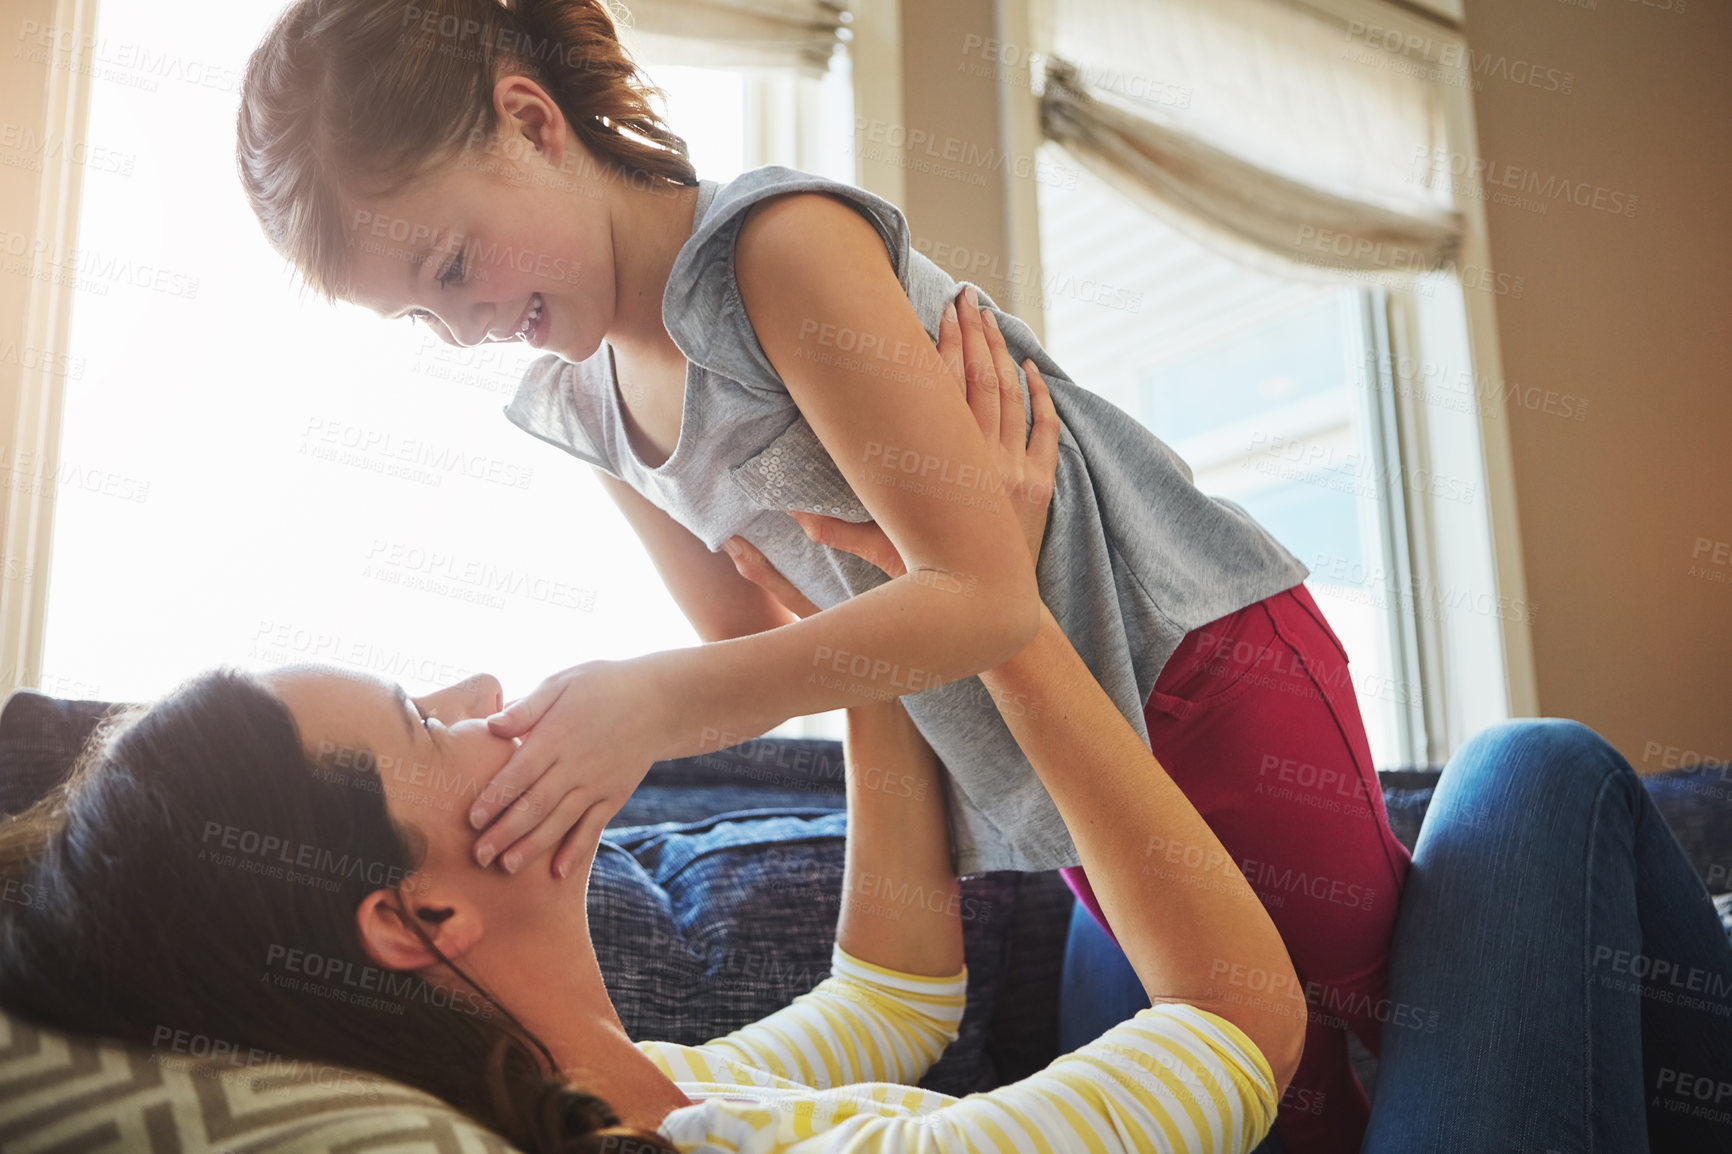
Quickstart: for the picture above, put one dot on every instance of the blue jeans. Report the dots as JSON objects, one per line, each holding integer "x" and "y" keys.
{"x": 1559, "y": 980}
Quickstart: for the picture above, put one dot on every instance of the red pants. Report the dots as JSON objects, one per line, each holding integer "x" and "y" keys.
{"x": 1255, "y": 719}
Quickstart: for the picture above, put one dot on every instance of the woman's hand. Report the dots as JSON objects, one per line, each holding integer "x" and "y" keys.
{"x": 979, "y": 364}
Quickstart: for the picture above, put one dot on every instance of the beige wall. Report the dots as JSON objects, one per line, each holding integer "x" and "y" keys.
{"x": 1632, "y": 314}
{"x": 953, "y": 189}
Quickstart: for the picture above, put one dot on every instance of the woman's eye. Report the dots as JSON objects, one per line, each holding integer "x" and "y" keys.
{"x": 453, "y": 273}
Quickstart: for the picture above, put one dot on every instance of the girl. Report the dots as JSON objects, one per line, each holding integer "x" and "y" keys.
{"x": 727, "y": 355}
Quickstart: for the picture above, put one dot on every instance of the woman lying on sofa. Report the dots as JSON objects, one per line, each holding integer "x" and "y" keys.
{"x": 145, "y": 920}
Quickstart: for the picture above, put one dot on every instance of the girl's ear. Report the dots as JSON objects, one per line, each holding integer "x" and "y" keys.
{"x": 393, "y": 944}
{"x": 528, "y": 114}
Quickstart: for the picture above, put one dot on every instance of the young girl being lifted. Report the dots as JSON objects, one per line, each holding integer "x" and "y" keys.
{"x": 755, "y": 359}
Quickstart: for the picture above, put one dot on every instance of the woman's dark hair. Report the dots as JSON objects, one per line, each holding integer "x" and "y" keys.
{"x": 347, "y": 97}
{"x": 198, "y": 876}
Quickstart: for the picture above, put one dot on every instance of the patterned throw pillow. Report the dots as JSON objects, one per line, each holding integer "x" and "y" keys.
{"x": 58, "y": 1093}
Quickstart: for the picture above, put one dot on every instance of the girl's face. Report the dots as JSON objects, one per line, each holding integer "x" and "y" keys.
{"x": 511, "y": 240}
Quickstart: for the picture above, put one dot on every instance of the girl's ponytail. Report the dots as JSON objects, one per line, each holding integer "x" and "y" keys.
{"x": 574, "y": 46}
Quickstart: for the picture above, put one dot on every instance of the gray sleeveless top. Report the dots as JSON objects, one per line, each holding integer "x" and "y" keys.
{"x": 1134, "y": 557}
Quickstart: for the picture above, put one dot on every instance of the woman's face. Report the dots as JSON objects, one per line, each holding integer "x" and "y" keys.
{"x": 433, "y": 755}
{"x": 511, "y": 240}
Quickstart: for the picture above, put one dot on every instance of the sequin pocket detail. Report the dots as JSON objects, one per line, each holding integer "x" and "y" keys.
{"x": 795, "y": 472}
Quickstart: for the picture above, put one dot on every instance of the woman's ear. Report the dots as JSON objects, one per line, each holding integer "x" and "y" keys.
{"x": 454, "y": 926}
{"x": 530, "y": 118}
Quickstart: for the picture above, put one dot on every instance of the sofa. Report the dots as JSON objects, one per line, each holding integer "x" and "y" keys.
{"x": 713, "y": 902}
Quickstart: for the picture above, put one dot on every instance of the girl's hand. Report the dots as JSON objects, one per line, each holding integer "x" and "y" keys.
{"x": 979, "y": 364}
{"x": 588, "y": 740}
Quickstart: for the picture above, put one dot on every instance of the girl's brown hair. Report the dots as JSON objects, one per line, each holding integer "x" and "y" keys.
{"x": 158, "y": 907}
{"x": 348, "y": 98}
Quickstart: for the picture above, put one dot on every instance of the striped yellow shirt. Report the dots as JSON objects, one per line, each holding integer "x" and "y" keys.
{"x": 829, "y": 1075}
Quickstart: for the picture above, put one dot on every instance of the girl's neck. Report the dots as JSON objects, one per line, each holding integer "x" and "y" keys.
{"x": 649, "y": 227}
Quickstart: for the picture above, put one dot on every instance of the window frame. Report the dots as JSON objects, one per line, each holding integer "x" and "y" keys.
{"x": 1451, "y": 326}
{"x": 1470, "y": 669}
{"x": 31, "y": 419}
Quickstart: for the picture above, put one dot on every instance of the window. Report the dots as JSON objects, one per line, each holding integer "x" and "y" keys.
{"x": 295, "y": 481}
{"x": 1261, "y": 385}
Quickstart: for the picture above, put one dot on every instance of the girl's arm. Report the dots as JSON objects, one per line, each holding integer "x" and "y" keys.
{"x": 714, "y": 597}
{"x": 590, "y": 733}
{"x": 814, "y": 278}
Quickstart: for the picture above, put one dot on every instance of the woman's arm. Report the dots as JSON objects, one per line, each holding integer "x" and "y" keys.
{"x": 898, "y": 988}
{"x": 1186, "y": 917}
{"x": 901, "y": 905}
{"x": 897, "y": 993}
{"x": 1189, "y": 922}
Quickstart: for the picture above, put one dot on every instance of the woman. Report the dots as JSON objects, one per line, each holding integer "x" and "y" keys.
{"x": 723, "y": 352}
{"x": 490, "y": 997}
{"x": 1546, "y": 887}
